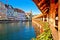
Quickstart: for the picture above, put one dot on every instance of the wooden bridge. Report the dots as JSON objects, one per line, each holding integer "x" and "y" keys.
{"x": 50, "y": 13}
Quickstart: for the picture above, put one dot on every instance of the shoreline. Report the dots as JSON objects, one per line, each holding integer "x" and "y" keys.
{"x": 12, "y": 21}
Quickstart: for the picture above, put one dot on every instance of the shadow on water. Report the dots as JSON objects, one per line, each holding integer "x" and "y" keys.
{"x": 17, "y": 31}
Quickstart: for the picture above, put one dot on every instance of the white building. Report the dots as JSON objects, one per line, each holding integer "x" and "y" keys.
{"x": 19, "y": 14}
{"x": 10, "y": 12}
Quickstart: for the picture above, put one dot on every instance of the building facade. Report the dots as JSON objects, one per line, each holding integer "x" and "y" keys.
{"x": 19, "y": 14}
{"x": 3, "y": 11}
{"x": 29, "y": 16}
{"x": 10, "y": 12}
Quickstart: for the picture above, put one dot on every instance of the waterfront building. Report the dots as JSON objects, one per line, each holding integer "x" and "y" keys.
{"x": 19, "y": 14}
{"x": 2, "y": 8}
{"x": 29, "y": 16}
{"x": 15, "y": 14}
{"x": 10, "y": 12}
{"x": 3, "y": 11}
{"x": 2, "y": 16}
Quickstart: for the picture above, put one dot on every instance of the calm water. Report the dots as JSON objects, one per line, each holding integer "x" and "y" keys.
{"x": 17, "y": 31}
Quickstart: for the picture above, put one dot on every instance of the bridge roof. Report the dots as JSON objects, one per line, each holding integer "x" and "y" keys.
{"x": 44, "y": 5}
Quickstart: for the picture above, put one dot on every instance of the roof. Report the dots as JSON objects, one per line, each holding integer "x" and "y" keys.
{"x": 44, "y": 5}
{"x": 8, "y": 6}
{"x": 19, "y": 10}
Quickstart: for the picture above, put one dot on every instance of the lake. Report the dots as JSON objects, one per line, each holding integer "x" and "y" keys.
{"x": 17, "y": 31}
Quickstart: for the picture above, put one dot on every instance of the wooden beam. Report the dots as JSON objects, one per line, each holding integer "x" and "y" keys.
{"x": 52, "y": 13}
{"x": 36, "y": 1}
{"x": 44, "y": 12}
{"x": 43, "y": 6}
{"x": 40, "y": 3}
{"x": 56, "y": 6}
{"x": 45, "y": 9}
{"x": 59, "y": 19}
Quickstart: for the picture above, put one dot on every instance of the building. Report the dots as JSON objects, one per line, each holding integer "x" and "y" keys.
{"x": 2, "y": 16}
{"x": 29, "y": 16}
{"x": 3, "y": 11}
{"x": 2, "y": 8}
{"x": 19, "y": 14}
{"x": 10, "y": 12}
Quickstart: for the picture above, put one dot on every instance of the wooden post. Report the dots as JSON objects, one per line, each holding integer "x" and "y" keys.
{"x": 59, "y": 19}
{"x": 43, "y": 18}
{"x": 52, "y": 12}
{"x": 47, "y": 18}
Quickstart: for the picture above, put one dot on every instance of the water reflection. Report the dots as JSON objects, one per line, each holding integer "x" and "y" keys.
{"x": 16, "y": 31}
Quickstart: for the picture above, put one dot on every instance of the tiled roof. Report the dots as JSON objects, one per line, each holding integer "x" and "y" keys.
{"x": 18, "y": 10}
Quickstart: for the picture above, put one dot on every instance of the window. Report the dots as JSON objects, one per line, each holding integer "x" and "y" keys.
{"x": 0, "y": 5}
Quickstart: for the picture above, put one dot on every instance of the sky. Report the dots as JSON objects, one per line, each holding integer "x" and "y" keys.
{"x": 25, "y": 5}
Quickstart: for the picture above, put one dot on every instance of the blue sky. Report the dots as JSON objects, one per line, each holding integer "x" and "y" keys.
{"x": 25, "y": 5}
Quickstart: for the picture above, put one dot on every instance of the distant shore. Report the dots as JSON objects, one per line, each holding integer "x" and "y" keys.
{"x": 11, "y": 21}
